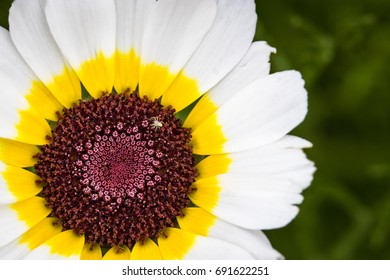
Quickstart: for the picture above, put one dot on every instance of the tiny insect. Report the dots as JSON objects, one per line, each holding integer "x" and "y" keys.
{"x": 156, "y": 123}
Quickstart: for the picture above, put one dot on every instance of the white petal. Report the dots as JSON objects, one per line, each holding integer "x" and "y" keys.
{"x": 223, "y": 47}
{"x": 22, "y": 246}
{"x": 260, "y": 114}
{"x": 10, "y": 106}
{"x": 131, "y": 17}
{"x": 18, "y": 120}
{"x": 17, "y": 218}
{"x": 15, "y": 70}
{"x": 13, "y": 250}
{"x": 32, "y": 37}
{"x": 173, "y": 31}
{"x": 10, "y": 115}
{"x": 282, "y": 160}
{"x": 15, "y": 73}
{"x": 43, "y": 253}
{"x": 85, "y": 32}
{"x": 208, "y": 248}
{"x": 274, "y": 162}
{"x": 254, "y": 242}
{"x": 290, "y": 141}
{"x": 247, "y": 201}
{"x": 196, "y": 220}
{"x": 253, "y": 66}
{"x": 225, "y": 44}
{"x": 11, "y": 227}
{"x": 182, "y": 244}
{"x": 258, "y": 188}
{"x": 87, "y": 27}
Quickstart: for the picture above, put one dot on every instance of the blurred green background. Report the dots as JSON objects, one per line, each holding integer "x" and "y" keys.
{"x": 342, "y": 48}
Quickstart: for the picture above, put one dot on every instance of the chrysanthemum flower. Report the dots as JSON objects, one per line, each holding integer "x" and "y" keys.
{"x": 95, "y": 159}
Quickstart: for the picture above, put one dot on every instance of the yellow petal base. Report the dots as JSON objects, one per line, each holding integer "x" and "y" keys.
{"x": 118, "y": 253}
{"x": 40, "y": 233}
{"x": 177, "y": 243}
{"x": 66, "y": 87}
{"x": 66, "y": 244}
{"x": 91, "y": 252}
{"x": 98, "y": 74}
{"x": 127, "y": 71}
{"x": 206, "y": 194}
{"x": 196, "y": 220}
{"x": 41, "y": 99}
{"x": 17, "y": 153}
{"x": 182, "y": 92}
{"x": 203, "y": 109}
{"x": 31, "y": 211}
{"x": 21, "y": 183}
{"x": 208, "y": 138}
{"x": 148, "y": 250}
{"x": 214, "y": 165}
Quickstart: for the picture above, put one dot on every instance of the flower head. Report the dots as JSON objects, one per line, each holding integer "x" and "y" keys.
{"x": 97, "y": 158}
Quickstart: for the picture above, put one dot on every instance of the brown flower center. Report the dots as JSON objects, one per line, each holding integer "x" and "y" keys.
{"x": 118, "y": 169}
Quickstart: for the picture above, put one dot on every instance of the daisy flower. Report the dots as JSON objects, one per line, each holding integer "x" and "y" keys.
{"x": 145, "y": 129}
